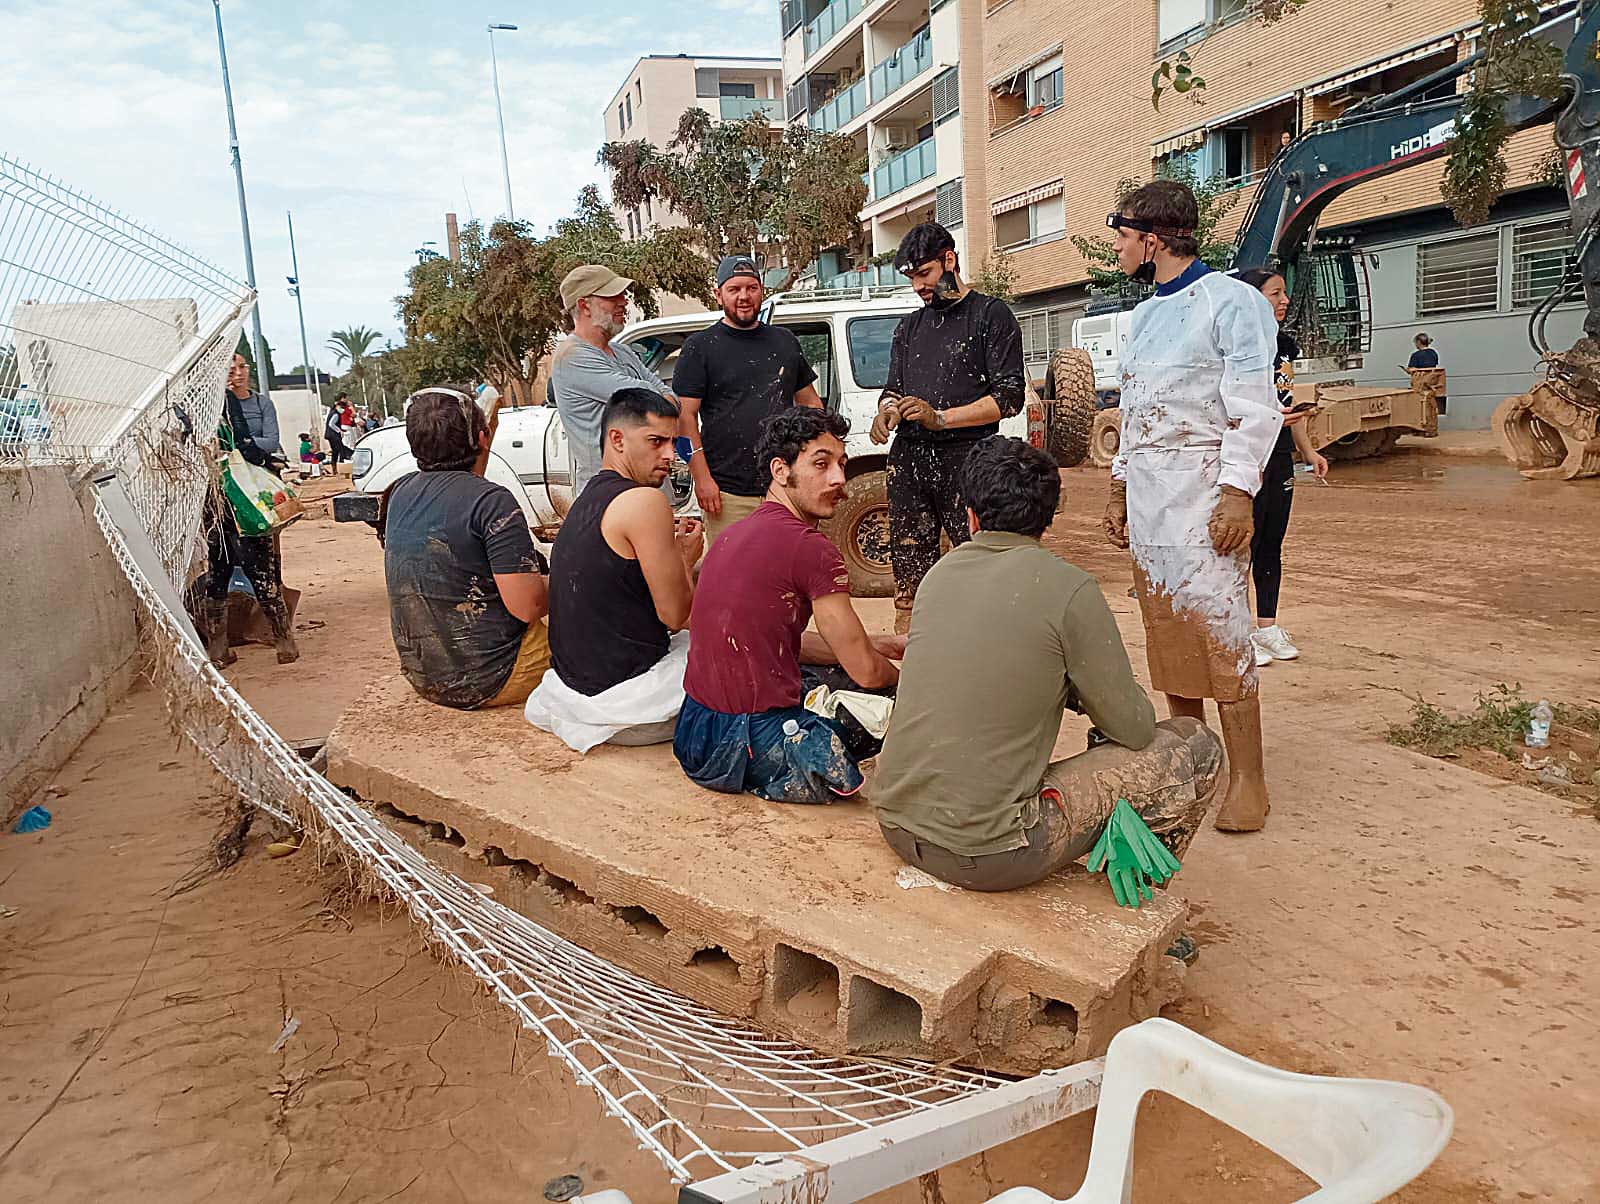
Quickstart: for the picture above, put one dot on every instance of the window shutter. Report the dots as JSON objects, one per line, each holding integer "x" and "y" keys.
{"x": 946, "y": 94}
{"x": 947, "y": 204}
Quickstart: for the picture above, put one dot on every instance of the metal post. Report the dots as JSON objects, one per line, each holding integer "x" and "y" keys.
{"x": 299, "y": 305}
{"x": 263, "y": 382}
{"x": 505, "y": 161}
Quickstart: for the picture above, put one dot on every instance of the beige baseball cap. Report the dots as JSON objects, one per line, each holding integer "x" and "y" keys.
{"x": 591, "y": 280}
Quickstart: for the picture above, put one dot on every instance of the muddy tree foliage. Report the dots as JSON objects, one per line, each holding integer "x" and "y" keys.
{"x": 494, "y": 313}
{"x": 744, "y": 187}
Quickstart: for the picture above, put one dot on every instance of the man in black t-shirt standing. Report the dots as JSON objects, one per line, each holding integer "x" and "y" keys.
{"x": 731, "y": 378}
{"x": 955, "y": 370}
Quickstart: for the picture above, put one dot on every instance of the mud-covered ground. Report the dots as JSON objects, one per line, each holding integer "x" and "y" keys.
{"x": 1401, "y": 917}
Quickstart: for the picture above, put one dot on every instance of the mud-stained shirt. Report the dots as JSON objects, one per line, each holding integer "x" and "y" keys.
{"x": 751, "y": 606}
{"x": 447, "y": 534}
{"x": 1005, "y": 636}
{"x": 954, "y": 356}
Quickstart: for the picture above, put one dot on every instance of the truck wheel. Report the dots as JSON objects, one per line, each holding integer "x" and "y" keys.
{"x": 1071, "y": 375}
{"x": 1362, "y": 445}
{"x": 859, "y": 528}
{"x": 1106, "y": 438}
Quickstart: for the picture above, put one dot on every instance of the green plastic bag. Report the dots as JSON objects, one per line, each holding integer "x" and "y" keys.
{"x": 261, "y": 501}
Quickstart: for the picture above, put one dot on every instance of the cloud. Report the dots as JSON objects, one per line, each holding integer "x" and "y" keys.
{"x": 368, "y": 130}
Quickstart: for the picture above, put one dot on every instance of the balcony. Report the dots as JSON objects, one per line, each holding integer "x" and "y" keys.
{"x": 829, "y": 22}
{"x": 901, "y": 67}
{"x": 842, "y": 109}
{"x": 737, "y": 108}
{"x": 904, "y": 170}
{"x": 870, "y": 275}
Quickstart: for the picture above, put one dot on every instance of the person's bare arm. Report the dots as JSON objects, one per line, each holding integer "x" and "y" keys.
{"x": 975, "y": 413}
{"x": 640, "y": 521}
{"x": 705, "y": 489}
{"x": 839, "y": 628}
{"x": 526, "y": 595}
{"x": 808, "y": 396}
{"x": 1308, "y": 453}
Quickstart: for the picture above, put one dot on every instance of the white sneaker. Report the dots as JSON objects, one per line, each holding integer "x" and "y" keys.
{"x": 1275, "y": 642}
{"x": 1263, "y": 657}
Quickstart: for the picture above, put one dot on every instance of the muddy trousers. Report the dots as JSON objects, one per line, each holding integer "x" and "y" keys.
{"x": 1169, "y": 783}
{"x": 924, "y": 488}
{"x": 1273, "y": 502}
{"x": 262, "y": 564}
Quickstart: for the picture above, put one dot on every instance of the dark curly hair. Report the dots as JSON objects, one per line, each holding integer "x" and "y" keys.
{"x": 1170, "y": 206}
{"x": 786, "y": 434}
{"x": 1011, "y": 486}
{"x": 923, "y": 242}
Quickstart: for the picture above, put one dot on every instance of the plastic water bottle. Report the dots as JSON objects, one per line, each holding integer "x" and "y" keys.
{"x": 1539, "y": 725}
{"x": 791, "y": 727}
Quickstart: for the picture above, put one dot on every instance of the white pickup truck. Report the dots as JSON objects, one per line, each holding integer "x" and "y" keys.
{"x": 845, "y": 335}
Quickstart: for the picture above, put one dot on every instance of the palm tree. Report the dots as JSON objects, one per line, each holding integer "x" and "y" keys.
{"x": 351, "y": 347}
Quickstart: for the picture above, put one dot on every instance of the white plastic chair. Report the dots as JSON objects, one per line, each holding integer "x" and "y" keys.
{"x": 1360, "y": 1139}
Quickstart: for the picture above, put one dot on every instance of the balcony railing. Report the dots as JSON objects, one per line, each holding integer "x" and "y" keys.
{"x": 829, "y": 22}
{"x": 736, "y": 108}
{"x": 871, "y": 274}
{"x": 842, "y": 109}
{"x": 901, "y": 67}
{"x": 904, "y": 170}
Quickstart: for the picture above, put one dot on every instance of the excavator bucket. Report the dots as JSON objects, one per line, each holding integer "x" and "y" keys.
{"x": 1548, "y": 436}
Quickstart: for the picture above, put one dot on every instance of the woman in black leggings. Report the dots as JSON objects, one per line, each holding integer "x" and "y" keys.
{"x": 1276, "y": 495}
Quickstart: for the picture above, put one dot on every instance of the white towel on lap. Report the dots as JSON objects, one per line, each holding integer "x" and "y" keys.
{"x": 654, "y": 696}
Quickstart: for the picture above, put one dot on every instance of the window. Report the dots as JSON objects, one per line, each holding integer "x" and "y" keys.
{"x": 869, "y": 350}
{"x": 649, "y": 215}
{"x": 1540, "y": 258}
{"x": 746, "y": 90}
{"x": 1175, "y": 18}
{"x": 1043, "y": 331}
{"x": 1042, "y": 221}
{"x": 1463, "y": 273}
{"x": 638, "y": 90}
{"x": 816, "y": 344}
{"x": 1225, "y": 155}
{"x": 622, "y": 120}
{"x": 627, "y": 102}
{"x": 1044, "y": 83}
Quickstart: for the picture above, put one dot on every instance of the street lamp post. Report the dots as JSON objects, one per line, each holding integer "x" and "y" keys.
{"x": 505, "y": 161}
{"x": 263, "y": 381}
{"x": 294, "y": 291}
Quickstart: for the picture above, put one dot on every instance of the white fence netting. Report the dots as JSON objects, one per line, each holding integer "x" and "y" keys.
{"x": 137, "y": 388}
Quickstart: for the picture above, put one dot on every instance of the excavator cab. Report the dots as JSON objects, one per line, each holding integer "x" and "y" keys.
{"x": 1330, "y": 308}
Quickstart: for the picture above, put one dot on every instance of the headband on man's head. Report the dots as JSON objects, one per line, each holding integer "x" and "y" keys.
{"x": 1119, "y": 221}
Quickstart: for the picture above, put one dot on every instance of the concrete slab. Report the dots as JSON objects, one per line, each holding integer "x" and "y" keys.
{"x": 798, "y": 918}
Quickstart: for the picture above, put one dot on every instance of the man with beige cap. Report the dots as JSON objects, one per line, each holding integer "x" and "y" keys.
{"x": 586, "y": 370}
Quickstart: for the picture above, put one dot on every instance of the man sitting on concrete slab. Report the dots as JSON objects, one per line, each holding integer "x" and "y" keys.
{"x": 466, "y": 596}
{"x": 620, "y": 585}
{"x": 743, "y": 727}
{"x": 1005, "y": 636}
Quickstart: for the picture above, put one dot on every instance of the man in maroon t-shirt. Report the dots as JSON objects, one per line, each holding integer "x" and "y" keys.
{"x": 742, "y": 727}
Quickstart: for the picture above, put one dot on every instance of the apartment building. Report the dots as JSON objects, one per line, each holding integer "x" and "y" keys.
{"x": 886, "y": 73}
{"x": 1055, "y": 151}
{"x": 660, "y": 88}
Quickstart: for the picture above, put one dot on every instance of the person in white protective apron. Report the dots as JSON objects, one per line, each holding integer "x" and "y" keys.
{"x": 1199, "y": 420}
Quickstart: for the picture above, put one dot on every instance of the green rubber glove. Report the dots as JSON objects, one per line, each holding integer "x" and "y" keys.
{"x": 1132, "y": 857}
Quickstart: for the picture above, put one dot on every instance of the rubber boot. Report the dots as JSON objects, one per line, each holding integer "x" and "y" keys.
{"x": 215, "y": 632}
{"x": 1245, "y": 807}
{"x": 278, "y": 619}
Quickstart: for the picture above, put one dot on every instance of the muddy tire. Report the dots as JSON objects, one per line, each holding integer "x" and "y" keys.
{"x": 1071, "y": 376}
{"x": 859, "y": 528}
{"x": 1105, "y": 438}
{"x": 1362, "y": 445}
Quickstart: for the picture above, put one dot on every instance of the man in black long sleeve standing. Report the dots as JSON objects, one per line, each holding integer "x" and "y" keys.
{"x": 955, "y": 370}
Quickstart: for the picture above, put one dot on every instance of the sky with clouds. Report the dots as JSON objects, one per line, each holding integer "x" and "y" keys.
{"x": 368, "y": 120}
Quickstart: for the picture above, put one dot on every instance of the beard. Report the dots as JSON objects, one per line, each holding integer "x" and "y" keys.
{"x": 607, "y": 324}
{"x": 732, "y": 315}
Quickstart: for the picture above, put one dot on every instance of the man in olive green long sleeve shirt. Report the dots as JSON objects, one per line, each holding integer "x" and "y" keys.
{"x": 1004, "y": 637}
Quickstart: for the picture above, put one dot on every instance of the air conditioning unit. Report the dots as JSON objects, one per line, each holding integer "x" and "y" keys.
{"x": 899, "y": 139}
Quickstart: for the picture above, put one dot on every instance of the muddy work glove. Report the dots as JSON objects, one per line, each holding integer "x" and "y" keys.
{"x": 1233, "y": 521}
{"x": 1115, "y": 523}
{"x": 1133, "y": 858}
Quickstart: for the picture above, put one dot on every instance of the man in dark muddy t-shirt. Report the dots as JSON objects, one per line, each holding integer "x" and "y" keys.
{"x": 731, "y": 378}
{"x": 467, "y": 595}
{"x": 955, "y": 370}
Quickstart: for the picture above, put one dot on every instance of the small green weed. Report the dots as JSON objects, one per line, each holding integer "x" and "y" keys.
{"x": 1499, "y": 722}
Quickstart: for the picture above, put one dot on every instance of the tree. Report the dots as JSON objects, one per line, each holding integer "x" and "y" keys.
{"x": 495, "y": 313}
{"x": 742, "y": 186}
{"x": 1215, "y": 201}
{"x": 351, "y": 347}
{"x": 997, "y": 277}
